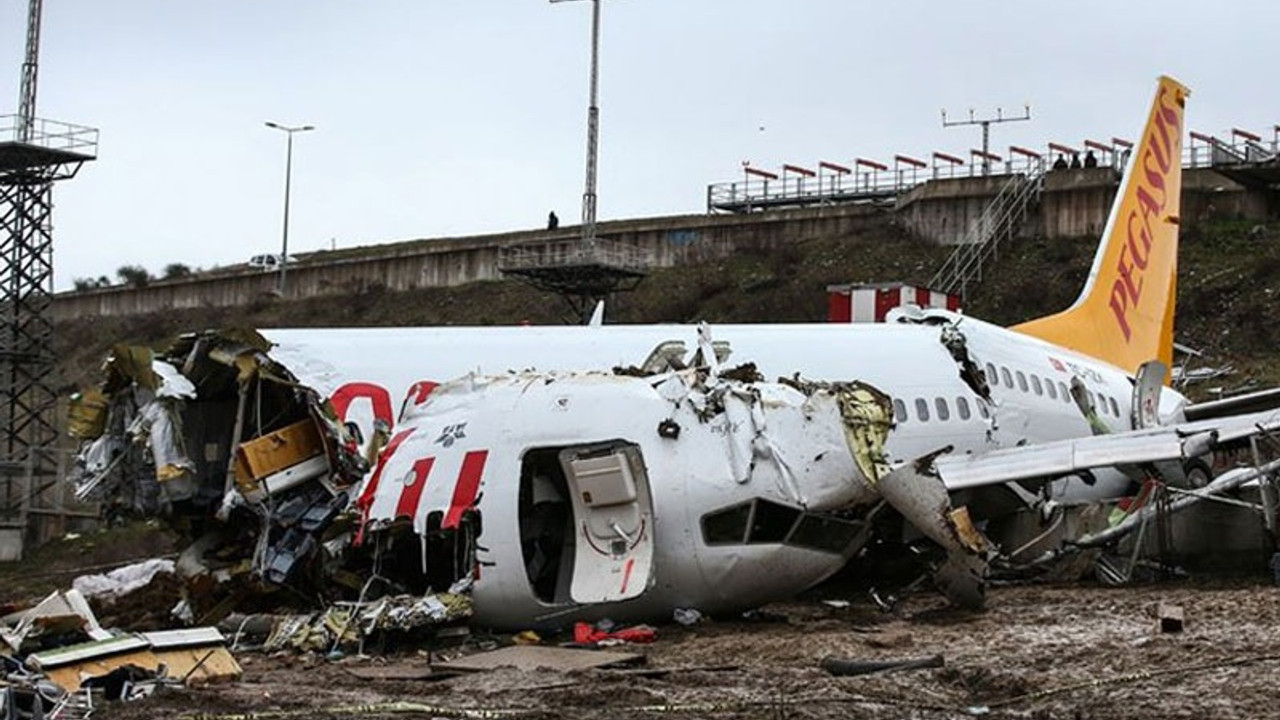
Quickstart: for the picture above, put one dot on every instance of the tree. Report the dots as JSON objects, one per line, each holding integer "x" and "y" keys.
{"x": 134, "y": 275}
{"x": 84, "y": 284}
{"x": 176, "y": 270}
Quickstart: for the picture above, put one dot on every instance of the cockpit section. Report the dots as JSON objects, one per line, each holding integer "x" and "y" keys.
{"x": 760, "y": 521}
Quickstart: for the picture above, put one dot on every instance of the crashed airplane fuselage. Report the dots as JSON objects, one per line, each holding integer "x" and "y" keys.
{"x": 560, "y": 496}
{"x": 715, "y": 493}
{"x": 593, "y": 494}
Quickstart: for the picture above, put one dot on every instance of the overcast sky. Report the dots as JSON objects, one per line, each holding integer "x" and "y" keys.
{"x": 440, "y": 118}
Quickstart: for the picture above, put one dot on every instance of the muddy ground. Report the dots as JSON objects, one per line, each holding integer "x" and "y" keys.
{"x": 1069, "y": 651}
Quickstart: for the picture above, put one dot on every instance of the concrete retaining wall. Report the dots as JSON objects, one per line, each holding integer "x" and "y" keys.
{"x": 454, "y": 261}
{"x": 1075, "y": 203}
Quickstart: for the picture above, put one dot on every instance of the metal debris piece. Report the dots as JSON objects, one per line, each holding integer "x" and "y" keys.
{"x": 1169, "y": 617}
{"x": 534, "y": 657}
{"x": 847, "y": 666}
{"x": 345, "y": 624}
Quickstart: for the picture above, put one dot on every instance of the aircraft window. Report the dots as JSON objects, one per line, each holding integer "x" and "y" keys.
{"x": 899, "y": 411}
{"x": 1115, "y": 409}
{"x": 1066, "y": 394}
{"x": 982, "y": 410}
{"x": 1053, "y": 389}
{"x": 991, "y": 373}
{"x": 1035, "y": 385}
{"x": 962, "y": 407}
{"x": 1008, "y": 379}
{"x": 922, "y": 409}
{"x": 823, "y": 532}
{"x": 771, "y": 522}
{"x": 1102, "y": 404}
{"x": 728, "y": 526}
{"x": 1022, "y": 381}
{"x": 944, "y": 413}
{"x": 1093, "y": 399}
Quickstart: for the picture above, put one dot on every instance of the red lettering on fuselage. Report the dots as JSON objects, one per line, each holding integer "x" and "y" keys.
{"x": 411, "y": 494}
{"x": 419, "y": 391}
{"x": 365, "y": 501}
{"x": 467, "y": 490}
{"x": 1151, "y": 196}
{"x": 378, "y": 397}
{"x": 376, "y": 394}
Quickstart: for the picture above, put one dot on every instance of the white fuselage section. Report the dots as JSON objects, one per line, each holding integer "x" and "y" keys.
{"x": 381, "y": 371}
{"x": 908, "y": 361}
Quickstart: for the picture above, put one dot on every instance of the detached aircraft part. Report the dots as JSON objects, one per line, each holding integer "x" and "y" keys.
{"x": 922, "y": 499}
{"x": 1146, "y": 394}
{"x": 232, "y": 443}
{"x": 609, "y": 490}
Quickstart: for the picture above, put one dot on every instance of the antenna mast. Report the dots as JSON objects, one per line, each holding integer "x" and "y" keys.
{"x": 30, "y": 66}
{"x": 986, "y": 129}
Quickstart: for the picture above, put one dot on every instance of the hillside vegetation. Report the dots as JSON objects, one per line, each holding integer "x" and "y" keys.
{"x": 1229, "y": 274}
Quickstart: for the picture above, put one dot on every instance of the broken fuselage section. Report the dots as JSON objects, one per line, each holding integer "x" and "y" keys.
{"x": 215, "y": 436}
{"x": 628, "y": 496}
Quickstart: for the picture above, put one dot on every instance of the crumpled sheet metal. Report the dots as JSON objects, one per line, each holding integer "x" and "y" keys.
{"x": 161, "y": 421}
{"x": 344, "y": 624}
{"x": 922, "y": 500}
{"x": 129, "y": 364}
{"x": 60, "y": 612}
{"x": 123, "y": 580}
{"x": 87, "y": 414}
{"x": 793, "y": 434}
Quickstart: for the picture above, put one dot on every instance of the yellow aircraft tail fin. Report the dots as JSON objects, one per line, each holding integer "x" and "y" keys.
{"x": 1124, "y": 315}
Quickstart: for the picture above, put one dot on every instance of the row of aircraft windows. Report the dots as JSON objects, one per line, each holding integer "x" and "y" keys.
{"x": 941, "y": 407}
{"x": 1055, "y": 390}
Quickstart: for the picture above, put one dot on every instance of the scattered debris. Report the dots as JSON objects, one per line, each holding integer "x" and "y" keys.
{"x": 1169, "y": 617}
{"x": 535, "y": 657}
{"x": 346, "y": 625}
{"x": 847, "y": 666}
{"x": 687, "y": 616}
{"x": 891, "y": 639}
{"x": 62, "y": 618}
{"x": 58, "y": 657}
{"x": 603, "y": 634}
{"x": 399, "y": 672}
{"x": 122, "y": 581}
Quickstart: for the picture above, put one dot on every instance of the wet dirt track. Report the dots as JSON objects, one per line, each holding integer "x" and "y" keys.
{"x": 1038, "y": 652}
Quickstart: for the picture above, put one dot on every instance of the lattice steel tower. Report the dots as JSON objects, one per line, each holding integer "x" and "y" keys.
{"x": 33, "y": 155}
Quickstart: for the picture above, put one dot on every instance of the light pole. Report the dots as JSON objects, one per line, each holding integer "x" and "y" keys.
{"x": 288, "y": 173}
{"x": 593, "y": 130}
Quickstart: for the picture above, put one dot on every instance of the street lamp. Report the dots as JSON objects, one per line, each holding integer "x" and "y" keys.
{"x": 593, "y": 130}
{"x": 288, "y": 172}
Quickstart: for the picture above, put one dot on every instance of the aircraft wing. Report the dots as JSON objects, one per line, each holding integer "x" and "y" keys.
{"x": 1259, "y": 401}
{"x": 1063, "y": 457}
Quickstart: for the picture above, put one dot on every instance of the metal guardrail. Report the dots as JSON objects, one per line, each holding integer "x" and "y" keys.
{"x": 50, "y": 134}
{"x": 759, "y": 194}
{"x": 573, "y": 253}
{"x": 999, "y": 219}
{"x": 754, "y": 193}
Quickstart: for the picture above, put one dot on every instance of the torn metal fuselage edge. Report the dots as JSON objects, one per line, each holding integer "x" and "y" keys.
{"x": 627, "y": 495}
{"x": 225, "y": 443}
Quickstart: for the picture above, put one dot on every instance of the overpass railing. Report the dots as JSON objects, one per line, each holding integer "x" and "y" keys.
{"x": 569, "y": 253}
{"x": 760, "y": 190}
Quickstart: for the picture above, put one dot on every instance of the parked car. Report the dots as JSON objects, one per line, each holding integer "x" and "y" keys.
{"x": 269, "y": 262}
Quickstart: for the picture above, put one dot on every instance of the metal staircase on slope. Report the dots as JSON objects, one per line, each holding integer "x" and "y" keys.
{"x": 999, "y": 220}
